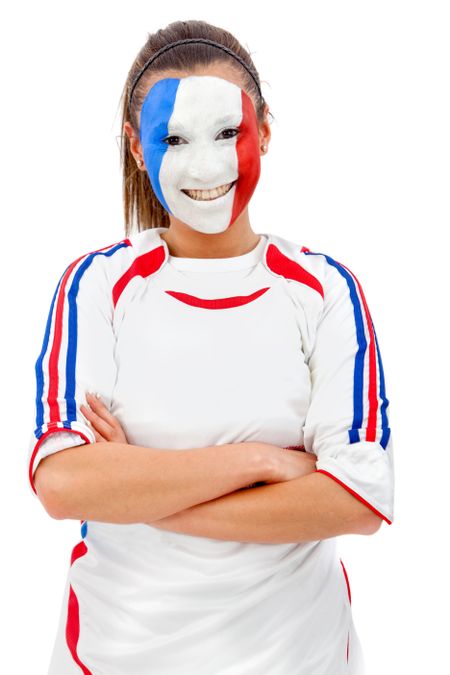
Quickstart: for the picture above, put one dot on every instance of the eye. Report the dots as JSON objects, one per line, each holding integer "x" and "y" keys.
{"x": 235, "y": 129}
{"x": 224, "y": 134}
{"x": 165, "y": 140}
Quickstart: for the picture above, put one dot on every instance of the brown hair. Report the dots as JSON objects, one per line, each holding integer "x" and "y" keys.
{"x": 139, "y": 199}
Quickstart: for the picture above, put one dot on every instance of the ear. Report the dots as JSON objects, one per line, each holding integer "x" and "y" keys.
{"x": 264, "y": 128}
{"x": 135, "y": 144}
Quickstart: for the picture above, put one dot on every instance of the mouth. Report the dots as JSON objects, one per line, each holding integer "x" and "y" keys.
{"x": 209, "y": 195}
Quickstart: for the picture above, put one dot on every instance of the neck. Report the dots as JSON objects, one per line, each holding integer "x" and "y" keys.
{"x": 185, "y": 242}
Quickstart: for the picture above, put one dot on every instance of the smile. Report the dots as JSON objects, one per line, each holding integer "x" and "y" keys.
{"x": 208, "y": 195}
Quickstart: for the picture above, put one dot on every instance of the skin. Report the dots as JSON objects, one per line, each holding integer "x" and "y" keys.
{"x": 181, "y": 239}
{"x": 309, "y": 507}
{"x": 107, "y": 429}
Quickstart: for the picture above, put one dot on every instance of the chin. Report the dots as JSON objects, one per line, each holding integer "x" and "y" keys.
{"x": 208, "y": 229}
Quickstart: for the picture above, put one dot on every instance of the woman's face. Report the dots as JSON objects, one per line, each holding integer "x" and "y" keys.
{"x": 199, "y": 133}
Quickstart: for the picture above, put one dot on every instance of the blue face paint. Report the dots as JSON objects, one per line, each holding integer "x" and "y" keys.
{"x": 156, "y": 112}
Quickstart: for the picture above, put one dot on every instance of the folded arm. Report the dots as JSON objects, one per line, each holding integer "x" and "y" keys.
{"x": 308, "y": 508}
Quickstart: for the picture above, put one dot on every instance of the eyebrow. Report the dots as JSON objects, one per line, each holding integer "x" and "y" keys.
{"x": 226, "y": 118}
{"x": 221, "y": 120}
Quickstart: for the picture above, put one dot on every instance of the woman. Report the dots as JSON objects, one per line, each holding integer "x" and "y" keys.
{"x": 253, "y": 357}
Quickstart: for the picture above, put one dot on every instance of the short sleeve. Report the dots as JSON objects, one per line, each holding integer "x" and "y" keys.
{"x": 76, "y": 355}
{"x": 347, "y": 422}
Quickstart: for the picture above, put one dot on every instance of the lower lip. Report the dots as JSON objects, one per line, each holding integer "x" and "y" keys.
{"x": 215, "y": 199}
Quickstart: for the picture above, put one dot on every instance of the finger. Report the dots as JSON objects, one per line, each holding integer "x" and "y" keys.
{"x": 101, "y": 426}
{"x": 98, "y": 437}
{"x": 91, "y": 416}
{"x": 116, "y": 431}
{"x": 100, "y": 408}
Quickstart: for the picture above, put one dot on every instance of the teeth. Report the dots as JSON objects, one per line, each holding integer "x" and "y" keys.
{"x": 205, "y": 195}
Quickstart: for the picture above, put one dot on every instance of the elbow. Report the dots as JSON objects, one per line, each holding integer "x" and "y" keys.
{"x": 49, "y": 490}
{"x": 370, "y": 522}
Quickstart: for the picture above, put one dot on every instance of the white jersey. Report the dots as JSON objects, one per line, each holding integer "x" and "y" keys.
{"x": 276, "y": 345}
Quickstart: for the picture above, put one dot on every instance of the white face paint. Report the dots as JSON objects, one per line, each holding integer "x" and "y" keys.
{"x": 200, "y": 133}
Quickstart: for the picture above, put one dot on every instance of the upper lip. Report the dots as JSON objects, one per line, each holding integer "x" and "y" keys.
{"x": 211, "y": 188}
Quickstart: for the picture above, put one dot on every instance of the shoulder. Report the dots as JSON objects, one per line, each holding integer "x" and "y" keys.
{"x": 120, "y": 252}
{"x": 320, "y": 270}
{"x": 111, "y": 266}
{"x": 99, "y": 260}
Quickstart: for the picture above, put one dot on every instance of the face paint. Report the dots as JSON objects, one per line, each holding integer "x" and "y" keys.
{"x": 216, "y": 143}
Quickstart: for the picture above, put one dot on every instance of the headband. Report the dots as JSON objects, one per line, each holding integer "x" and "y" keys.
{"x": 186, "y": 41}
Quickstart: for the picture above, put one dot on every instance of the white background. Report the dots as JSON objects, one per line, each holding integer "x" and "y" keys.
{"x": 358, "y": 167}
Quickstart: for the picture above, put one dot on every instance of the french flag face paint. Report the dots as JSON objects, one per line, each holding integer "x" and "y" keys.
{"x": 199, "y": 133}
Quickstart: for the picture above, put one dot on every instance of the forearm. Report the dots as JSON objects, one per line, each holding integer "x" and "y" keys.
{"x": 122, "y": 483}
{"x": 308, "y": 508}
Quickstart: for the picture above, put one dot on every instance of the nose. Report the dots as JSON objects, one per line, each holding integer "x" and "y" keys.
{"x": 205, "y": 169}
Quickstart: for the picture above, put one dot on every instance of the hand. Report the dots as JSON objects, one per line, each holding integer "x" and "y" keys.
{"x": 105, "y": 426}
{"x": 285, "y": 463}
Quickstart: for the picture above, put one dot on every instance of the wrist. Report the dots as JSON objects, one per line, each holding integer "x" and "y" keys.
{"x": 259, "y": 464}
